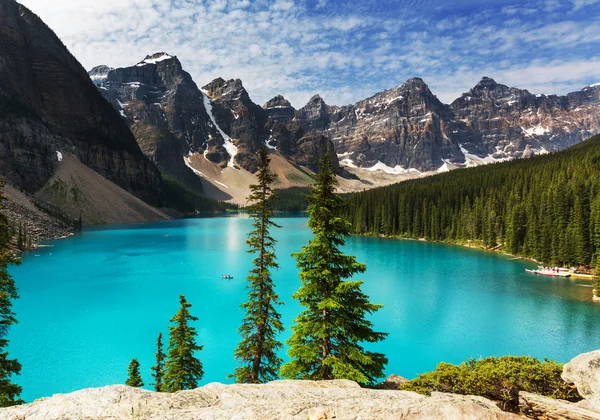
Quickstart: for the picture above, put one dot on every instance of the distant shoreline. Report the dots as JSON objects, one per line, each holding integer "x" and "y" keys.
{"x": 461, "y": 244}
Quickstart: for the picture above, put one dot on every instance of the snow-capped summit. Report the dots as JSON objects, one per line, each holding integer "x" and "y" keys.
{"x": 99, "y": 73}
{"x": 155, "y": 58}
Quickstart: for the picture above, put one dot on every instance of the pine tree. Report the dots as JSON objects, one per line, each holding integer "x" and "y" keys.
{"x": 9, "y": 392}
{"x": 159, "y": 369}
{"x": 134, "y": 378}
{"x": 327, "y": 335}
{"x": 257, "y": 352}
{"x": 182, "y": 369}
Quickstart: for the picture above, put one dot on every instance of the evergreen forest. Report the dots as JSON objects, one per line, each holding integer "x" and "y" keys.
{"x": 546, "y": 207}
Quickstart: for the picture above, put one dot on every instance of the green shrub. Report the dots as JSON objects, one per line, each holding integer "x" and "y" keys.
{"x": 498, "y": 379}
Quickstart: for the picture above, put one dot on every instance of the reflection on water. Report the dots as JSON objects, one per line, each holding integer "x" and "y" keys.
{"x": 91, "y": 303}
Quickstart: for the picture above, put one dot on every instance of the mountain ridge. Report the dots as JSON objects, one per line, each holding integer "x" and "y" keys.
{"x": 402, "y": 130}
{"x": 49, "y": 105}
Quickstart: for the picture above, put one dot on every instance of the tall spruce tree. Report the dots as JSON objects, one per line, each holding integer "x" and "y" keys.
{"x": 158, "y": 370}
{"x": 134, "y": 377}
{"x": 9, "y": 392}
{"x": 327, "y": 336}
{"x": 257, "y": 352}
{"x": 182, "y": 369}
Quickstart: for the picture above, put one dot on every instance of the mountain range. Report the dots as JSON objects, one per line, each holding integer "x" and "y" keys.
{"x": 114, "y": 145}
{"x": 398, "y": 131}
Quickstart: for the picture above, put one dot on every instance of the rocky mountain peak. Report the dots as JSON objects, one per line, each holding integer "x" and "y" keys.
{"x": 417, "y": 91}
{"x": 59, "y": 110}
{"x": 277, "y": 102}
{"x": 279, "y": 109}
{"x": 316, "y": 99}
{"x": 231, "y": 89}
{"x": 486, "y": 83}
{"x": 156, "y": 58}
{"x": 99, "y": 74}
{"x": 315, "y": 113}
{"x": 414, "y": 83}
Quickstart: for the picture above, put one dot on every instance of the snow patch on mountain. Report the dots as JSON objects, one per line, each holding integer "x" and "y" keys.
{"x": 228, "y": 144}
{"x": 397, "y": 170}
{"x": 474, "y": 160}
{"x": 443, "y": 168}
{"x": 537, "y": 130}
{"x": 154, "y": 59}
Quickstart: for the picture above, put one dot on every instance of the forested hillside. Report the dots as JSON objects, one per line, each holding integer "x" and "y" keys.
{"x": 546, "y": 207}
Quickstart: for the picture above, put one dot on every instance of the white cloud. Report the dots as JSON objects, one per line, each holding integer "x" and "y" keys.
{"x": 578, "y": 4}
{"x": 343, "y": 53}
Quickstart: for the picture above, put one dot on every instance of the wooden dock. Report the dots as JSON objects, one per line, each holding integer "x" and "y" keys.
{"x": 582, "y": 276}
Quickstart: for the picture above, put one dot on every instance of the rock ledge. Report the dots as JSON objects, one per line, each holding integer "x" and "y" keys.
{"x": 338, "y": 399}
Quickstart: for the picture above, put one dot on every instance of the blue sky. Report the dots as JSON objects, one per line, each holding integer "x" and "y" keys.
{"x": 343, "y": 50}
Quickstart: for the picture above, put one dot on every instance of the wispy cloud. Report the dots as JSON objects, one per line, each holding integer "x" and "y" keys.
{"x": 344, "y": 50}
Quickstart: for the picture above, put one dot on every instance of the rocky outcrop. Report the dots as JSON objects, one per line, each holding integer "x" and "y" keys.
{"x": 240, "y": 118}
{"x": 584, "y": 372}
{"x": 408, "y": 127}
{"x": 276, "y": 400}
{"x": 279, "y": 110}
{"x": 165, "y": 110}
{"x": 48, "y": 104}
{"x": 501, "y": 122}
{"x": 405, "y": 127}
{"x": 545, "y": 408}
{"x": 392, "y": 382}
{"x": 22, "y": 210}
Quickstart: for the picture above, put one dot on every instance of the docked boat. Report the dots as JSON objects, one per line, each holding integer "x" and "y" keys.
{"x": 551, "y": 272}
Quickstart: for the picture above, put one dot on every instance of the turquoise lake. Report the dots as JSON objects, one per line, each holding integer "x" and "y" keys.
{"x": 91, "y": 303}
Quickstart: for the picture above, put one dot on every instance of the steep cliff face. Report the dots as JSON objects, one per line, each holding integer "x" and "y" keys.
{"x": 279, "y": 109}
{"x": 171, "y": 118}
{"x": 505, "y": 122}
{"x": 252, "y": 127}
{"x": 48, "y": 104}
{"x": 408, "y": 129}
{"x": 240, "y": 118}
{"x": 405, "y": 127}
{"x": 165, "y": 110}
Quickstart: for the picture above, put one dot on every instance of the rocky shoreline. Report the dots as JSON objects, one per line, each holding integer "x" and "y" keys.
{"x": 21, "y": 210}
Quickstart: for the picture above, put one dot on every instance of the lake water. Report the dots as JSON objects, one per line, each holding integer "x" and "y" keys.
{"x": 92, "y": 302}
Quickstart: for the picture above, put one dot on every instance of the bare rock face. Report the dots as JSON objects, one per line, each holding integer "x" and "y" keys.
{"x": 584, "y": 372}
{"x": 48, "y": 104}
{"x": 239, "y": 117}
{"x": 504, "y": 122}
{"x": 408, "y": 127}
{"x": 252, "y": 127}
{"x": 165, "y": 110}
{"x": 279, "y": 110}
{"x": 392, "y": 382}
{"x": 545, "y": 408}
{"x": 276, "y": 400}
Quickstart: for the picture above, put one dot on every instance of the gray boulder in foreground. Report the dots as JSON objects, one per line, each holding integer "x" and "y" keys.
{"x": 321, "y": 400}
{"x": 584, "y": 372}
{"x": 538, "y": 407}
